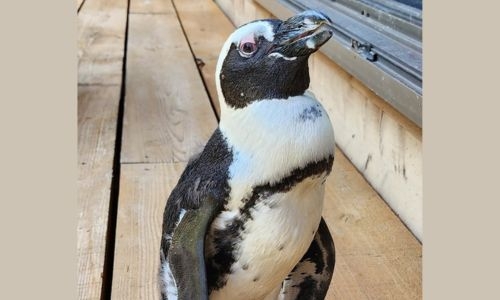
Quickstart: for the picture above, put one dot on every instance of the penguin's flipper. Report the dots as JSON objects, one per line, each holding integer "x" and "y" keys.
{"x": 311, "y": 277}
{"x": 186, "y": 253}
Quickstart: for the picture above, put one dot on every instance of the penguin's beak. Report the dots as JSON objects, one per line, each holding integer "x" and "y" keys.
{"x": 302, "y": 34}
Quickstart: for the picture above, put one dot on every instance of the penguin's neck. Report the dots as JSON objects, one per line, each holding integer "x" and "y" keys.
{"x": 271, "y": 138}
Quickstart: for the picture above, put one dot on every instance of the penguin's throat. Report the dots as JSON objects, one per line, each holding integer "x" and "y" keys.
{"x": 278, "y": 135}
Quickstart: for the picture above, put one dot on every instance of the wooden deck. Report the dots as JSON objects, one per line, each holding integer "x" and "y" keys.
{"x": 146, "y": 103}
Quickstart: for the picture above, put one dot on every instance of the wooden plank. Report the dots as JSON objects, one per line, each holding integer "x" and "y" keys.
{"x": 377, "y": 258}
{"x": 101, "y": 41}
{"x": 168, "y": 117}
{"x": 94, "y": 6}
{"x": 240, "y": 11}
{"x": 101, "y": 27}
{"x": 144, "y": 189}
{"x": 374, "y": 137}
{"x": 79, "y": 3}
{"x": 207, "y": 28}
{"x": 151, "y": 6}
{"x": 97, "y": 117}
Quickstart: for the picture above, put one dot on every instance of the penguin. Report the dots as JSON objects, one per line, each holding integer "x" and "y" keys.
{"x": 244, "y": 220}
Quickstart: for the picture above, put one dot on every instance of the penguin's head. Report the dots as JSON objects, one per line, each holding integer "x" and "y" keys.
{"x": 267, "y": 59}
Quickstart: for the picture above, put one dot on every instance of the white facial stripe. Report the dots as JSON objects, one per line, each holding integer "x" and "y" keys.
{"x": 258, "y": 28}
{"x": 276, "y": 54}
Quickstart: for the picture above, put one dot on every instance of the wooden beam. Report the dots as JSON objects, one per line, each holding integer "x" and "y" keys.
{"x": 168, "y": 117}
{"x": 144, "y": 190}
{"x": 377, "y": 257}
{"x": 97, "y": 117}
{"x": 151, "y": 6}
{"x": 206, "y": 28}
{"x": 101, "y": 41}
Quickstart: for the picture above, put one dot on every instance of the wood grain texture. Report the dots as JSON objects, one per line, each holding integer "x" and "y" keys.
{"x": 144, "y": 189}
{"x": 168, "y": 117}
{"x": 97, "y": 117}
{"x": 206, "y": 28}
{"x": 241, "y": 11}
{"x": 151, "y": 6}
{"x": 378, "y": 140}
{"x": 101, "y": 41}
{"x": 377, "y": 257}
{"x": 105, "y": 5}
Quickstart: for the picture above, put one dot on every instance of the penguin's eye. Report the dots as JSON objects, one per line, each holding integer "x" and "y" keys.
{"x": 248, "y": 48}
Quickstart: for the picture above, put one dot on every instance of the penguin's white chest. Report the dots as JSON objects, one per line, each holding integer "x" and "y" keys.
{"x": 274, "y": 239}
{"x": 281, "y": 150}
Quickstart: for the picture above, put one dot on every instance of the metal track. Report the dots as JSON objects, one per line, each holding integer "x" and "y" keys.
{"x": 380, "y": 48}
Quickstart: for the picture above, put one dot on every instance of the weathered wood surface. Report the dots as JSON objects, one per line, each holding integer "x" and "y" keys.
{"x": 165, "y": 98}
{"x": 168, "y": 118}
{"x": 379, "y": 141}
{"x": 151, "y": 7}
{"x": 206, "y": 29}
{"x": 377, "y": 257}
{"x": 101, "y": 40}
{"x": 144, "y": 190}
{"x": 97, "y": 115}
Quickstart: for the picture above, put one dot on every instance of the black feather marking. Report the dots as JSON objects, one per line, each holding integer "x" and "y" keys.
{"x": 321, "y": 253}
{"x": 226, "y": 240}
{"x": 311, "y": 113}
{"x": 206, "y": 175}
{"x": 306, "y": 288}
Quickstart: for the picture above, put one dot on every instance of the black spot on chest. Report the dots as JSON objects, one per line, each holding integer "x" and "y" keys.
{"x": 311, "y": 113}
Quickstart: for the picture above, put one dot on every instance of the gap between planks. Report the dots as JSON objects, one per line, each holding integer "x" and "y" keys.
{"x": 97, "y": 112}
{"x": 168, "y": 117}
{"x": 101, "y": 55}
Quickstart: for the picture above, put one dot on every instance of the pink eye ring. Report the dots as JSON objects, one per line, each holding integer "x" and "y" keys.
{"x": 248, "y": 48}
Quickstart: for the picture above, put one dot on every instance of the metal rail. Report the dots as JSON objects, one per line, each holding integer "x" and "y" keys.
{"x": 377, "y": 46}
